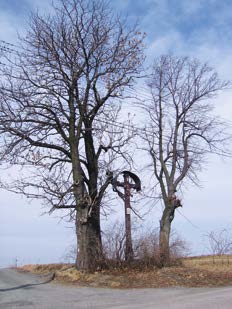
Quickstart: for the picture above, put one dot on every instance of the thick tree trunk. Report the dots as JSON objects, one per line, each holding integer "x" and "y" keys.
{"x": 89, "y": 253}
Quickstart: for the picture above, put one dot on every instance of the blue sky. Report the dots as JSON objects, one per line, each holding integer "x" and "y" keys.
{"x": 200, "y": 28}
{"x": 195, "y": 21}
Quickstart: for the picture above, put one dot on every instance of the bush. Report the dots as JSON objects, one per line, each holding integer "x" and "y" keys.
{"x": 113, "y": 241}
{"x": 145, "y": 246}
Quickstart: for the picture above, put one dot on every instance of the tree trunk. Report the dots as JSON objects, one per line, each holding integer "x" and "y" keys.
{"x": 164, "y": 237}
{"x": 89, "y": 245}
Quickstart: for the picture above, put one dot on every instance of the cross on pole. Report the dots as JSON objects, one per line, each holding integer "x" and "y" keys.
{"x": 127, "y": 185}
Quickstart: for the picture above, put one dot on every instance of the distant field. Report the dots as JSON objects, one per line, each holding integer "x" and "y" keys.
{"x": 210, "y": 262}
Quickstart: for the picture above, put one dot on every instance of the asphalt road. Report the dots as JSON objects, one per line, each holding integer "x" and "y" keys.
{"x": 20, "y": 290}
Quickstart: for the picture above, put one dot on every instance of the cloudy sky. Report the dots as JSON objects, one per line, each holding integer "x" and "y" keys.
{"x": 200, "y": 28}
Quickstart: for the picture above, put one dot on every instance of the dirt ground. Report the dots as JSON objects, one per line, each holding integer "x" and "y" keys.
{"x": 205, "y": 271}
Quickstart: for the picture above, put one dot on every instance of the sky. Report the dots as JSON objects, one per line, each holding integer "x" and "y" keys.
{"x": 200, "y": 29}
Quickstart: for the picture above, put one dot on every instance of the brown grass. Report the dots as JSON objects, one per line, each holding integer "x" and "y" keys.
{"x": 194, "y": 272}
{"x": 210, "y": 262}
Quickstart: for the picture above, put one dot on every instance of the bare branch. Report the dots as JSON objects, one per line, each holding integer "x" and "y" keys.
{"x": 182, "y": 129}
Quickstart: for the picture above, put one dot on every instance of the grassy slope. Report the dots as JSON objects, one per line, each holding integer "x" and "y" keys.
{"x": 194, "y": 272}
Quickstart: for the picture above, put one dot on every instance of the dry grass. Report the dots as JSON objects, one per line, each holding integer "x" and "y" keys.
{"x": 194, "y": 272}
{"x": 44, "y": 268}
{"x": 221, "y": 263}
{"x": 209, "y": 261}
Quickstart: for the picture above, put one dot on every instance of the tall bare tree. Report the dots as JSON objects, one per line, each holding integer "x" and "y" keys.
{"x": 182, "y": 129}
{"x": 54, "y": 96}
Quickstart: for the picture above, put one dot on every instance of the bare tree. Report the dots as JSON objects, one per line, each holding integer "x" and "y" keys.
{"x": 53, "y": 113}
{"x": 182, "y": 129}
{"x": 219, "y": 242}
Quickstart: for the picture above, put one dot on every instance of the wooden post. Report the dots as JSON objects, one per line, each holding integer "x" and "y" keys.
{"x": 129, "y": 254}
{"x": 135, "y": 185}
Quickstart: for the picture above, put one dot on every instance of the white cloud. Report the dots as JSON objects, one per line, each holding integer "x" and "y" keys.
{"x": 8, "y": 27}
{"x": 165, "y": 44}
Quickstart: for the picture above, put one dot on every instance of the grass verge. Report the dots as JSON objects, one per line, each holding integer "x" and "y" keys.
{"x": 193, "y": 272}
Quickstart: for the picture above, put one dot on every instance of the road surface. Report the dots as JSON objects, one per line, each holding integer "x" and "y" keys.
{"x": 23, "y": 290}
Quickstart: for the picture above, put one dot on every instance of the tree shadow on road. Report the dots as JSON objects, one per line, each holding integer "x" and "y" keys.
{"x": 28, "y": 285}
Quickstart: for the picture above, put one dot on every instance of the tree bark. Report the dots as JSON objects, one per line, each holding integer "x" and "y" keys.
{"x": 89, "y": 244}
{"x": 164, "y": 238}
